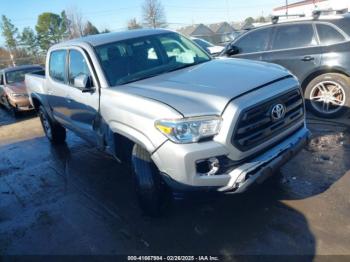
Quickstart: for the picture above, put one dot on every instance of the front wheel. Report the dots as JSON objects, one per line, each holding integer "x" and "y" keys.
{"x": 53, "y": 131}
{"x": 328, "y": 95}
{"x": 151, "y": 192}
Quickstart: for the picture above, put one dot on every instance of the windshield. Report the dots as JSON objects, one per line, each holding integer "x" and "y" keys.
{"x": 203, "y": 43}
{"x": 139, "y": 58}
{"x": 17, "y": 76}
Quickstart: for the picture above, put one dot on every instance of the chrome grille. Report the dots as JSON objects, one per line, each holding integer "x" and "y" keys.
{"x": 255, "y": 124}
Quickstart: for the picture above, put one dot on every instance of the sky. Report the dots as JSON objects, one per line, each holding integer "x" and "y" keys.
{"x": 114, "y": 14}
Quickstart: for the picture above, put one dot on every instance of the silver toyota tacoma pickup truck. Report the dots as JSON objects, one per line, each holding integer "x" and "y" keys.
{"x": 185, "y": 120}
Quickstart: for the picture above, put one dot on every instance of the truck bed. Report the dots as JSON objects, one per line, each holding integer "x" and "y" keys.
{"x": 35, "y": 82}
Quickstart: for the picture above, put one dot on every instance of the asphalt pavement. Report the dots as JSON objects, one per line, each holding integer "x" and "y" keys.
{"x": 73, "y": 199}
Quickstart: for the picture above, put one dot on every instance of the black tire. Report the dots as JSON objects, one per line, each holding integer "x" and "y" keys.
{"x": 330, "y": 80}
{"x": 53, "y": 131}
{"x": 151, "y": 192}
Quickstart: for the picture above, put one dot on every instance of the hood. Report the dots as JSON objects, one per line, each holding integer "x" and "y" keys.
{"x": 205, "y": 89}
{"x": 17, "y": 88}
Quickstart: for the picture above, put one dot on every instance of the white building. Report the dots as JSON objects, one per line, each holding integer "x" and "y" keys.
{"x": 307, "y": 6}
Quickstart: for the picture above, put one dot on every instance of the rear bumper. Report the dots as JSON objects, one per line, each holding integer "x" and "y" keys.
{"x": 253, "y": 171}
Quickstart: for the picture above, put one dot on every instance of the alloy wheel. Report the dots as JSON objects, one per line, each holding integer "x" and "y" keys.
{"x": 327, "y": 97}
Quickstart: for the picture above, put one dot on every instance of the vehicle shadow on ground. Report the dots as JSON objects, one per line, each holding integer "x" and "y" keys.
{"x": 255, "y": 223}
{"x": 7, "y": 118}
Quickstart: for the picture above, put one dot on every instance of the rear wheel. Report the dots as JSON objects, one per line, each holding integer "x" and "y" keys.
{"x": 151, "y": 192}
{"x": 328, "y": 95}
{"x": 53, "y": 131}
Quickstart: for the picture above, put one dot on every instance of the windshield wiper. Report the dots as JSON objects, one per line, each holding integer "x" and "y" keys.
{"x": 184, "y": 66}
{"x": 134, "y": 79}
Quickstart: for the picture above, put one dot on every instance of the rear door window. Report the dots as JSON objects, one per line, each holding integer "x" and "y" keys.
{"x": 57, "y": 66}
{"x": 255, "y": 41}
{"x": 329, "y": 35}
{"x": 294, "y": 36}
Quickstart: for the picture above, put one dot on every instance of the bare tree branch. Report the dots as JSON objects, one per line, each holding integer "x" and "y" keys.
{"x": 153, "y": 14}
{"x": 133, "y": 24}
{"x": 76, "y": 23}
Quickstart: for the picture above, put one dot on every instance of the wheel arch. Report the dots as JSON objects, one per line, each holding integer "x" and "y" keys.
{"x": 120, "y": 139}
{"x": 321, "y": 71}
{"x": 36, "y": 102}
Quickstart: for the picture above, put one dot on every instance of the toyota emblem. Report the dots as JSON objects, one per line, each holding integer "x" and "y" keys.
{"x": 278, "y": 111}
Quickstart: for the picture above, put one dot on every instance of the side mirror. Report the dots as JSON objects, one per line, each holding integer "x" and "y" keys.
{"x": 232, "y": 50}
{"x": 84, "y": 83}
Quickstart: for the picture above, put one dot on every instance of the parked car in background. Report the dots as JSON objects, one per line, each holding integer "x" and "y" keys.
{"x": 227, "y": 38}
{"x": 172, "y": 111}
{"x": 214, "y": 50}
{"x": 316, "y": 50}
{"x": 13, "y": 92}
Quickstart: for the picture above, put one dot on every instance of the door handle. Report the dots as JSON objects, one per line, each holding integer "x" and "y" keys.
{"x": 307, "y": 58}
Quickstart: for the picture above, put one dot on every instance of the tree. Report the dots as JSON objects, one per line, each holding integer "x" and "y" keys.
{"x": 5, "y": 60}
{"x": 51, "y": 29}
{"x": 153, "y": 14}
{"x": 261, "y": 19}
{"x": 10, "y": 34}
{"x": 29, "y": 41}
{"x": 64, "y": 25}
{"x": 75, "y": 23}
{"x": 106, "y": 30}
{"x": 249, "y": 21}
{"x": 90, "y": 29}
{"x": 133, "y": 24}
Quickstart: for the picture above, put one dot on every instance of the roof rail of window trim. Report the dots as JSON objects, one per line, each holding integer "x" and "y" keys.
{"x": 316, "y": 14}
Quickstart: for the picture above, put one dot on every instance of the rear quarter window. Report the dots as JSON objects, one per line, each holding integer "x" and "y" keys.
{"x": 57, "y": 65}
{"x": 329, "y": 35}
{"x": 343, "y": 24}
{"x": 294, "y": 36}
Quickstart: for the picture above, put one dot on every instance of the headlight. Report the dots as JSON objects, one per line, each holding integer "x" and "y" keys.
{"x": 14, "y": 95}
{"x": 189, "y": 130}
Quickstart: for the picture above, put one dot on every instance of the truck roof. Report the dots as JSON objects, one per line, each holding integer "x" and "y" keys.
{"x": 16, "y": 68}
{"x": 101, "y": 39}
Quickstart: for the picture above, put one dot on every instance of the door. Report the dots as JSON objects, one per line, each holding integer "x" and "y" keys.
{"x": 295, "y": 46}
{"x": 56, "y": 88}
{"x": 82, "y": 104}
{"x": 253, "y": 44}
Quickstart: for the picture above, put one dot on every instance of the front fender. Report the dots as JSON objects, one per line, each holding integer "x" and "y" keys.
{"x": 133, "y": 134}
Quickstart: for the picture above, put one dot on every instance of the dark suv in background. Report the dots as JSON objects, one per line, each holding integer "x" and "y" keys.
{"x": 316, "y": 50}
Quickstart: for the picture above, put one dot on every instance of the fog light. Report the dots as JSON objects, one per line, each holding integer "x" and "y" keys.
{"x": 208, "y": 167}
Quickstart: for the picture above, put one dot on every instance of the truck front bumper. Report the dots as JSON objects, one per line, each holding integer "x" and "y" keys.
{"x": 177, "y": 163}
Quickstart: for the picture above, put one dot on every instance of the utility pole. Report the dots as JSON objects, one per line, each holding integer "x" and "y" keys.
{"x": 287, "y": 8}
{"x": 227, "y": 11}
